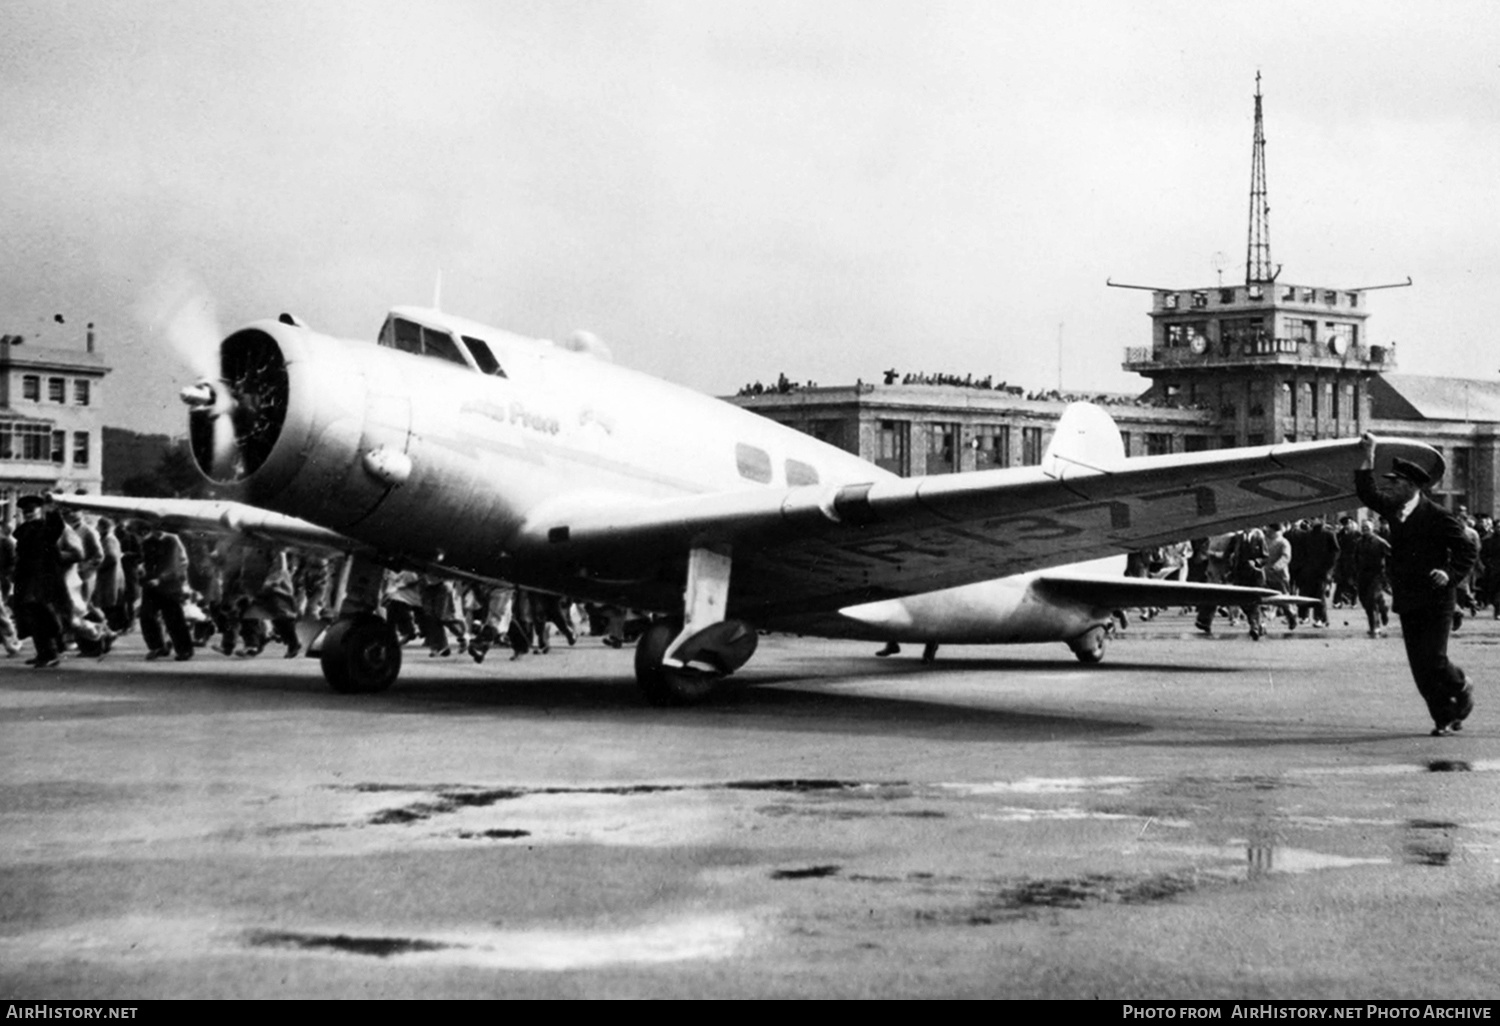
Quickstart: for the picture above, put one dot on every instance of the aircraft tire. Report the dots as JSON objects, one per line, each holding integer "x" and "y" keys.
{"x": 1090, "y": 647}
{"x": 361, "y": 655}
{"x": 662, "y": 685}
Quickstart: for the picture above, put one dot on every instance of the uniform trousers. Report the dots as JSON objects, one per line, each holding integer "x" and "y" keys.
{"x": 1443, "y": 686}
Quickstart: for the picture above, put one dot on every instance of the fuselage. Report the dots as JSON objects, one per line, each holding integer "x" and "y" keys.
{"x": 446, "y": 440}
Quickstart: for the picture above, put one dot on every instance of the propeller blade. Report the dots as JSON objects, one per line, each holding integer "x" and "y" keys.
{"x": 178, "y": 308}
{"x": 226, "y": 449}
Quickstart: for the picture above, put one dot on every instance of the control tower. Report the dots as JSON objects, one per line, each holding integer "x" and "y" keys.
{"x": 1275, "y": 361}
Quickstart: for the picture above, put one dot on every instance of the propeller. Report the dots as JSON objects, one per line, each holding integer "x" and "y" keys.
{"x": 179, "y": 309}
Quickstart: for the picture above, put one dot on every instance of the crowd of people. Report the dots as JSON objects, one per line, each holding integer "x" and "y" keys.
{"x": 891, "y": 376}
{"x": 1330, "y": 567}
{"x": 71, "y": 583}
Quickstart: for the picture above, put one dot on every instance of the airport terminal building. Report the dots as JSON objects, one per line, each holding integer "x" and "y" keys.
{"x": 50, "y": 429}
{"x": 1227, "y": 366}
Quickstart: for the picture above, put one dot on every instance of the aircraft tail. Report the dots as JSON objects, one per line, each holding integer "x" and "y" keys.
{"x": 1086, "y": 436}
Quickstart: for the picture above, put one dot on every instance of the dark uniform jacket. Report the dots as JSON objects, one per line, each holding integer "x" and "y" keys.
{"x": 1429, "y": 539}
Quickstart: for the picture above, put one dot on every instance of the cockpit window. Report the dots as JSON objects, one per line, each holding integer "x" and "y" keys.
{"x": 483, "y": 357}
{"x": 408, "y": 336}
{"x": 441, "y": 344}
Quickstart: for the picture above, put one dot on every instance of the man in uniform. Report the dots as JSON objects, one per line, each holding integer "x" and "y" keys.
{"x": 1429, "y": 556}
{"x": 40, "y": 587}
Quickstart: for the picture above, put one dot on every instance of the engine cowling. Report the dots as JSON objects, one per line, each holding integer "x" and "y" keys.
{"x": 293, "y": 420}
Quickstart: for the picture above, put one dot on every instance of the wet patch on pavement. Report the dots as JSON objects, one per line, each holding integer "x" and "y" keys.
{"x": 378, "y": 947}
{"x": 451, "y": 798}
{"x": 1429, "y": 842}
{"x": 493, "y": 835}
{"x": 806, "y": 873}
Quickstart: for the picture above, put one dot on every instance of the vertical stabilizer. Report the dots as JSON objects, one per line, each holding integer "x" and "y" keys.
{"x": 1085, "y": 436}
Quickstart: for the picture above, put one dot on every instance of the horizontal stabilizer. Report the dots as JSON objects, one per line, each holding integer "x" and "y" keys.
{"x": 1135, "y": 592}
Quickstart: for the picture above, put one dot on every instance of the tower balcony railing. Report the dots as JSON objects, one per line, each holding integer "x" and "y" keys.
{"x": 1269, "y": 350}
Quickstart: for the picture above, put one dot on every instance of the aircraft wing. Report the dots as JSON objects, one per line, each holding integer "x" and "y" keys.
{"x": 818, "y": 548}
{"x": 215, "y": 516}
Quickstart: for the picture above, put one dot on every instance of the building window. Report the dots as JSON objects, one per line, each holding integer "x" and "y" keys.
{"x": 1255, "y": 395}
{"x": 1255, "y": 439}
{"x": 893, "y": 446}
{"x": 1170, "y": 301}
{"x": 29, "y": 442}
{"x": 1290, "y": 388}
{"x": 829, "y": 431}
{"x": 1299, "y": 330}
{"x": 1125, "y": 442}
{"x": 942, "y": 448}
{"x": 1226, "y": 295}
{"x": 1331, "y": 298}
{"x": 1031, "y": 446}
{"x": 1158, "y": 444}
{"x": 1309, "y": 295}
{"x": 31, "y": 388}
{"x": 1194, "y": 443}
{"x": 1289, "y": 294}
{"x": 993, "y": 446}
{"x": 59, "y": 446}
{"x": 81, "y": 392}
{"x": 1200, "y": 300}
{"x": 1353, "y": 298}
{"x": 1228, "y": 441}
{"x": 1348, "y": 334}
{"x": 1180, "y": 336}
{"x": 1243, "y": 335}
{"x": 57, "y": 390}
{"x": 80, "y": 448}
{"x": 1459, "y": 475}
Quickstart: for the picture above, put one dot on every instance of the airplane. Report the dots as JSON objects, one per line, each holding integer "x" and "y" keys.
{"x": 455, "y": 448}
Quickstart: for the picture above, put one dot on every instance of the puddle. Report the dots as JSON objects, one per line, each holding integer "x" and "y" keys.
{"x": 810, "y": 873}
{"x": 1429, "y": 842}
{"x": 378, "y": 947}
{"x": 493, "y": 835}
{"x": 677, "y": 940}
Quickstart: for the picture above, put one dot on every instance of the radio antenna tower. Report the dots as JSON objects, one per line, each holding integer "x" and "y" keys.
{"x": 1258, "y": 248}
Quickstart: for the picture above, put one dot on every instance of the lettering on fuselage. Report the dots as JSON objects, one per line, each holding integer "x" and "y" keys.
{"x": 588, "y": 415}
{"x": 533, "y": 421}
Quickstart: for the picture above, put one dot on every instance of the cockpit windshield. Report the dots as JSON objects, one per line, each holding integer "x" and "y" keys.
{"x": 483, "y": 357}
{"x": 421, "y": 340}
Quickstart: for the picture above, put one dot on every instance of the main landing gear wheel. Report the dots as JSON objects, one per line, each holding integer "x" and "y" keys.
{"x": 1090, "y": 647}
{"x": 361, "y": 655}
{"x": 668, "y": 685}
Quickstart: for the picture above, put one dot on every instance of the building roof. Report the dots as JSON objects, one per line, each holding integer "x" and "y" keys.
{"x": 41, "y": 358}
{"x": 1417, "y": 397}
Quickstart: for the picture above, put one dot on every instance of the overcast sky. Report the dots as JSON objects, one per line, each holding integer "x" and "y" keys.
{"x": 725, "y": 191}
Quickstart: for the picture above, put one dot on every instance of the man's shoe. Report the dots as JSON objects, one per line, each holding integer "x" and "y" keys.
{"x": 48, "y": 664}
{"x": 183, "y": 657}
{"x": 1206, "y": 628}
{"x": 157, "y": 653}
{"x": 890, "y": 649}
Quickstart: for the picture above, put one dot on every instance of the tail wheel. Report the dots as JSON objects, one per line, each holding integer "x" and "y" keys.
{"x": 1089, "y": 648}
{"x": 665, "y": 685}
{"x": 361, "y": 655}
